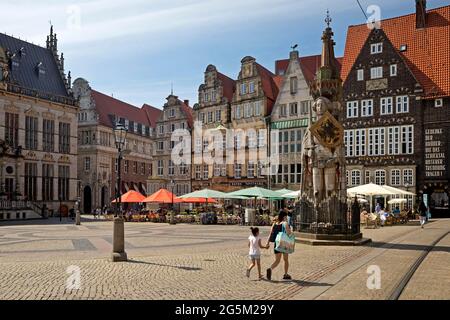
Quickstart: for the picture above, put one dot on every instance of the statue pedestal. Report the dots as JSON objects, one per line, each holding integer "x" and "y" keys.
{"x": 329, "y": 224}
{"x": 331, "y": 239}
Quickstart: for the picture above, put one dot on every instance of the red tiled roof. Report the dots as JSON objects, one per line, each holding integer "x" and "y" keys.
{"x": 188, "y": 112}
{"x": 278, "y": 81}
{"x": 152, "y": 114}
{"x": 269, "y": 86}
{"x": 229, "y": 85}
{"x": 309, "y": 65}
{"x": 428, "y": 50}
{"x": 107, "y": 105}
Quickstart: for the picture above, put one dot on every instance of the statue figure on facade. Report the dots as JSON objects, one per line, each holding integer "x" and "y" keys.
{"x": 322, "y": 211}
{"x": 322, "y": 156}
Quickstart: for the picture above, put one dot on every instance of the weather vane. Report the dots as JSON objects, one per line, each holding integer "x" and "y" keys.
{"x": 294, "y": 47}
{"x": 328, "y": 19}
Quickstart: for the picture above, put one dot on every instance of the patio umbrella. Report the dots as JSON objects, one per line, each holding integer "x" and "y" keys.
{"x": 293, "y": 194}
{"x": 256, "y": 192}
{"x": 397, "y": 201}
{"x": 206, "y": 194}
{"x": 162, "y": 196}
{"x": 131, "y": 197}
{"x": 399, "y": 191}
{"x": 371, "y": 190}
{"x": 198, "y": 200}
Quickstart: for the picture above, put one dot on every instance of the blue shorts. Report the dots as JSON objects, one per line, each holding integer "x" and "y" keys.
{"x": 254, "y": 256}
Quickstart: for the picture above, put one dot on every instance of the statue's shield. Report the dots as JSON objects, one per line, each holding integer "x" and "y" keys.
{"x": 328, "y": 131}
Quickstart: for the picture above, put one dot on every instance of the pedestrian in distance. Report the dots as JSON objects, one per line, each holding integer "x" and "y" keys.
{"x": 255, "y": 246}
{"x": 277, "y": 227}
{"x": 423, "y": 213}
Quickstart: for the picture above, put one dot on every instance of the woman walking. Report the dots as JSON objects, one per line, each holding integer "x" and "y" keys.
{"x": 277, "y": 227}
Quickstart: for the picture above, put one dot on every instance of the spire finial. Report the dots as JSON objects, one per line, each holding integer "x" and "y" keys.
{"x": 171, "y": 88}
{"x": 328, "y": 19}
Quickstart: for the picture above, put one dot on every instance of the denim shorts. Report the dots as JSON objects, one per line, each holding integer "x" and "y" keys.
{"x": 254, "y": 256}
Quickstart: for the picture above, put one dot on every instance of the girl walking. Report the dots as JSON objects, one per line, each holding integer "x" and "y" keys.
{"x": 254, "y": 244}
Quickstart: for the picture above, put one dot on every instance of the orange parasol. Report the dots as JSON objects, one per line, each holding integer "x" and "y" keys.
{"x": 198, "y": 200}
{"x": 131, "y": 197}
{"x": 162, "y": 196}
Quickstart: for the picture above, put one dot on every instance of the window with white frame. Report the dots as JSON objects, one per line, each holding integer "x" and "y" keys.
{"x": 247, "y": 110}
{"x": 216, "y": 169}
{"x": 393, "y": 70}
{"x": 238, "y": 140}
{"x": 214, "y": 96}
{"x": 243, "y": 88}
{"x": 252, "y": 139}
{"x": 198, "y": 145}
{"x": 210, "y": 117}
{"x": 376, "y": 72}
{"x": 261, "y": 138}
{"x": 198, "y": 172}
{"x": 171, "y": 168}
{"x": 438, "y": 103}
{"x": 402, "y": 103}
{"x": 161, "y": 129}
{"x": 237, "y": 170}
{"x": 350, "y": 145}
{"x": 380, "y": 177}
{"x": 352, "y": 109}
{"x": 160, "y": 145}
{"x": 376, "y": 48}
{"x": 408, "y": 177}
{"x": 393, "y": 140}
{"x": 223, "y": 170}
{"x": 294, "y": 85}
{"x": 356, "y": 178}
{"x": 347, "y": 175}
{"x": 367, "y": 108}
{"x": 160, "y": 167}
{"x": 250, "y": 169}
{"x": 251, "y": 87}
{"x": 371, "y": 142}
{"x": 183, "y": 168}
{"x": 346, "y": 142}
{"x": 238, "y": 113}
{"x": 382, "y": 141}
{"x": 367, "y": 177}
{"x": 206, "y": 97}
{"x": 205, "y": 144}
{"x": 283, "y": 110}
{"x": 172, "y": 113}
{"x": 407, "y": 139}
{"x": 357, "y": 143}
{"x": 258, "y": 109}
{"x": 395, "y": 177}
{"x": 304, "y": 107}
{"x": 360, "y": 74}
{"x": 205, "y": 172}
{"x": 386, "y": 105}
{"x": 218, "y": 116}
{"x": 293, "y": 109}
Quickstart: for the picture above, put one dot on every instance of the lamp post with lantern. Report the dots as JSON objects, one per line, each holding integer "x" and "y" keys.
{"x": 119, "y": 254}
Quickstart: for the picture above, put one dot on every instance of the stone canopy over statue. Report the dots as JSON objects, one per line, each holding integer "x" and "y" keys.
{"x": 322, "y": 209}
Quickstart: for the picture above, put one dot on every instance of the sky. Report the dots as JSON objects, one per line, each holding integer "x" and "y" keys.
{"x": 136, "y": 50}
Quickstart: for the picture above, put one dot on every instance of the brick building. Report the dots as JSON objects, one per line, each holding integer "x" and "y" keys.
{"x": 397, "y": 92}
{"x": 97, "y": 153}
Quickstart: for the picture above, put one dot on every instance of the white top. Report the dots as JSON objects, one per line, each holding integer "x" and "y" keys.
{"x": 254, "y": 245}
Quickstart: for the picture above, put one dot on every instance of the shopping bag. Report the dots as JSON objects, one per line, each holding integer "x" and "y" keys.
{"x": 285, "y": 243}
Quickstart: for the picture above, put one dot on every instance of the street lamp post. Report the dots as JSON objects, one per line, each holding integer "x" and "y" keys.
{"x": 172, "y": 215}
{"x": 119, "y": 254}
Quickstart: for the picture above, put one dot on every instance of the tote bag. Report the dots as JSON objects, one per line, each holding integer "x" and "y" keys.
{"x": 285, "y": 243}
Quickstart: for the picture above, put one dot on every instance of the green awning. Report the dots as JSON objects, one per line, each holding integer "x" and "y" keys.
{"x": 288, "y": 124}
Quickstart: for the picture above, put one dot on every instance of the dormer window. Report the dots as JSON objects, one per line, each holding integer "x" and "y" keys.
{"x": 403, "y": 48}
{"x": 251, "y": 87}
{"x": 172, "y": 113}
{"x": 438, "y": 103}
{"x": 376, "y": 48}
{"x": 40, "y": 69}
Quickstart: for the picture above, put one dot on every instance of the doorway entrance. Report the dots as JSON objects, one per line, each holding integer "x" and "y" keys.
{"x": 87, "y": 200}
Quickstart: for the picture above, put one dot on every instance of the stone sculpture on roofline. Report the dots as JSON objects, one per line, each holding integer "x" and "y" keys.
{"x": 323, "y": 216}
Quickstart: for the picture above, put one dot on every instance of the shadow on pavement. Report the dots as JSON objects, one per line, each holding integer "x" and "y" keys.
{"x": 165, "y": 265}
{"x": 300, "y": 283}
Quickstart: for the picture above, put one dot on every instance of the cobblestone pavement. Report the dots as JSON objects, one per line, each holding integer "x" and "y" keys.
{"x": 191, "y": 262}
